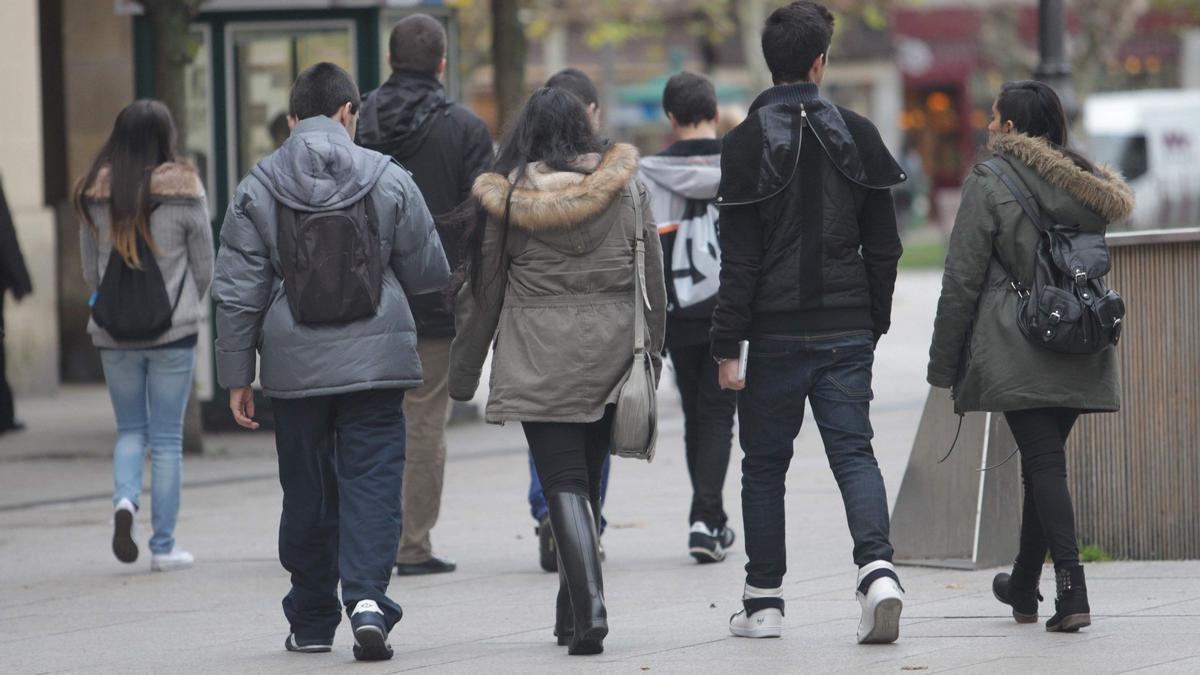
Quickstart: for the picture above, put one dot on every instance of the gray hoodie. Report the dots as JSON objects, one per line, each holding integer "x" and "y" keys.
{"x": 320, "y": 168}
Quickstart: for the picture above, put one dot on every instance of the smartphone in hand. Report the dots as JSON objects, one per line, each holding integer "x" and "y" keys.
{"x": 743, "y": 359}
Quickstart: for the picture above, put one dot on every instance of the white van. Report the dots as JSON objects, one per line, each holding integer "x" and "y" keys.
{"x": 1153, "y": 137}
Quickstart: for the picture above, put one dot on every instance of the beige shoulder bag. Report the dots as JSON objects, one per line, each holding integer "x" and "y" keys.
{"x": 635, "y": 424}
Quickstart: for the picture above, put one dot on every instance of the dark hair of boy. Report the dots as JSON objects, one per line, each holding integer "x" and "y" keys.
{"x": 418, "y": 44}
{"x": 794, "y": 37}
{"x": 322, "y": 89}
{"x": 690, "y": 99}
{"x": 577, "y": 82}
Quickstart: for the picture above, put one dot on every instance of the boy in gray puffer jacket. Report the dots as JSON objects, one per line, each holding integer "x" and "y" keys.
{"x": 336, "y": 387}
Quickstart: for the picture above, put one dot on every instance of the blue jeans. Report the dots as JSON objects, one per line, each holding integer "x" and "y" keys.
{"x": 537, "y": 499}
{"x": 149, "y": 390}
{"x": 341, "y": 465}
{"x": 833, "y": 372}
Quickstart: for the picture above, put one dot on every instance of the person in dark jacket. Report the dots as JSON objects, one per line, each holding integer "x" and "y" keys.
{"x": 444, "y": 146}
{"x": 978, "y": 349}
{"x": 337, "y": 387}
{"x": 683, "y": 181}
{"x": 14, "y": 276}
{"x": 809, "y": 251}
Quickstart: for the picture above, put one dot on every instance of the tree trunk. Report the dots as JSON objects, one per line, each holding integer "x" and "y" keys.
{"x": 751, "y": 16}
{"x": 508, "y": 59}
{"x": 174, "y": 50}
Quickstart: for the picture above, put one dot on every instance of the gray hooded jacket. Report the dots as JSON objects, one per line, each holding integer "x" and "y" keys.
{"x": 320, "y": 168}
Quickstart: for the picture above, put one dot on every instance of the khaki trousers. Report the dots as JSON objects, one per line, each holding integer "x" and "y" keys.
{"x": 426, "y": 412}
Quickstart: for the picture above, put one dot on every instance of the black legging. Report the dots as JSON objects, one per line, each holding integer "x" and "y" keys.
{"x": 569, "y": 457}
{"x": 1047, "y": 519}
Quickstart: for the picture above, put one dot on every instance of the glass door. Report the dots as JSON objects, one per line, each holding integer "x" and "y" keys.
{"x": 262, "y": 61}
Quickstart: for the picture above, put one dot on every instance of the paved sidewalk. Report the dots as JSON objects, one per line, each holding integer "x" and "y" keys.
{"x": 66, "y": 605}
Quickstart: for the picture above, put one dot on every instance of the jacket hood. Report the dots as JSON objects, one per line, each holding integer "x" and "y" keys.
{"x": 319, "y": 168}
{"x": 1104, "y": 193}
{"x": 554, "y": 200}
{"x": 169, "y": 181}
{"x": 694, "y": 177}
{"x": 394, "y": 116}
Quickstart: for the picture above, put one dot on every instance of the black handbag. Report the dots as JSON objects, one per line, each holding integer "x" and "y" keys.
{"x": 1068, "y": 308}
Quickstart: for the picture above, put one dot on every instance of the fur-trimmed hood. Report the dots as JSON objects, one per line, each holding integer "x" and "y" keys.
{"x": 170, "y": 181}
{"x": 1104, "y": 192}
{"x": 547, "y": 199}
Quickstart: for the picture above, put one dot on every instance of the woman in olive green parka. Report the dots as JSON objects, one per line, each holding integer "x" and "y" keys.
{"x": 979, "y": 352}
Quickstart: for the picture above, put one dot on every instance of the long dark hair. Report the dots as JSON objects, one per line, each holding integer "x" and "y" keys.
{"x": 143, "y": 137}
{"x": 552, "y": 128}
{"x": 1035, "y": 110}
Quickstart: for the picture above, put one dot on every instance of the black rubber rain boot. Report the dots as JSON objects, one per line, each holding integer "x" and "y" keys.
{"x": 579, "y": 559}
{"x": 1020, "y": 591}
{"x": 564, "y": 622}
{"x": 1071, "y": 606}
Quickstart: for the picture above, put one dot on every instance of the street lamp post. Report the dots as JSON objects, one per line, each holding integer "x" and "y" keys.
{"x": 1053, "y": 67}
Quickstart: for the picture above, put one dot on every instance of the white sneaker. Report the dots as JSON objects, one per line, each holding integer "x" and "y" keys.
{"x": 177, "y": 559}
{"x": 882, "y": 599}
{"x": 761, "y": 615}
{"x": 124, "y": 542}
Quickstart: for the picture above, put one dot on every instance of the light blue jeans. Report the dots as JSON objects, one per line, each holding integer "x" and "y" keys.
{"x": 149, "y": 390}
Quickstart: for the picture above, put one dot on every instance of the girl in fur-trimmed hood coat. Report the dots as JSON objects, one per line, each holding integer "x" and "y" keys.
{"x": 977, "y": 349}
{"x": 558, "y": 290}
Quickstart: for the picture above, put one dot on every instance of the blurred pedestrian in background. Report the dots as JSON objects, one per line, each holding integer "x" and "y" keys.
{"x": 14, "y": 277}
{"x": 576, "y": 82}
{"x": 809, "y": 250}
{"x": 551, "y": 272}
{"x": 146, "y": 244}
{"x": 445, "y": 147}
{"x": 338, "y": 350}
{"x": 979, "y": 351}
{"x": 683, "y": 181}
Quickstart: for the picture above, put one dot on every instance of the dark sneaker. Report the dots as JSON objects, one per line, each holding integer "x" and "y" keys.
{"x": 307, "y": 645}
{"x": 370, "y": 632}
{"x": 547, "y": 554}
{"x": 708, "y": 546}
{"x": 123, "y": 544}
{"x": 434, "y": 565}
{"x": 13, "y": 426}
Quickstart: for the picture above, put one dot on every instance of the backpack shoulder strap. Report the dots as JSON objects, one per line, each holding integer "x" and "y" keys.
{"x": 1032, "y": 213}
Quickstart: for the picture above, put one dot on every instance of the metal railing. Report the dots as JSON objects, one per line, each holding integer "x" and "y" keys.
{"x": 1134, "y": 475}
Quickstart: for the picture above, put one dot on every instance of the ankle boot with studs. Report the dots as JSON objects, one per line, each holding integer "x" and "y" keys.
{"x": 1071, "y": 604}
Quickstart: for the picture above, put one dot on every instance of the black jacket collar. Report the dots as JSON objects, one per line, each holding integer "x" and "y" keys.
{"x": 760, "y": 156}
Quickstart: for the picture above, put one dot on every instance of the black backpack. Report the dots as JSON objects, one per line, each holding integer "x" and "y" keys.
{"x": 331, "y": 264}
{"x": 132, "y": 304}
{"x": 1069, "y": 309}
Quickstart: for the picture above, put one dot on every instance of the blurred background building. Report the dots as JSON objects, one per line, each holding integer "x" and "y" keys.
{"x": 926, "y": 71}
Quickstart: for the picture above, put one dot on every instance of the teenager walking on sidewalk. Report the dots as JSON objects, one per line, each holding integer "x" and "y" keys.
{"x": 551, "y": 278}
{"x": 146, "y": 244}
{"x": 574, "y": 81}
{"x": 978, "y": 348}
{"x": 445, "y": 146}
{"x": 683, "y": 181}
{"x": 14, "y": 276}
{"x": 338, "y": 350}
{"x": 809, "y": 252}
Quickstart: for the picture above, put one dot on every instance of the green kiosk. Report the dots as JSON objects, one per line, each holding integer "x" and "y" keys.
{"x": 247, "y": 54}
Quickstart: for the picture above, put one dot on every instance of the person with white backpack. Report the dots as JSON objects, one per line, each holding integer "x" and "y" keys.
{"x": 683, "y": 181}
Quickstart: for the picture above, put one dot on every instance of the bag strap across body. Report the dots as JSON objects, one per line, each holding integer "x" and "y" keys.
{"x": 993, "y": 165}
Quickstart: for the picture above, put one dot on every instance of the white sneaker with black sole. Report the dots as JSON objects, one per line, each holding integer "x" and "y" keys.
{"x": 124, "y": 543}
{"x": 307, "y": 646}
{"x": 709, "y": 545}
{"x": 370, "y": 632}
{"x": 175, "y": 559}
{"x": 761, "y": 615}
{"x": 882, "y": 600}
